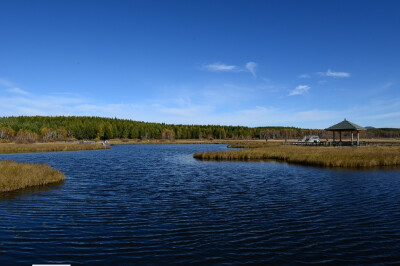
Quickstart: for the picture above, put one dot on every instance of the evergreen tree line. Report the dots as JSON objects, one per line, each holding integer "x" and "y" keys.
{"x": 48, "y": 128}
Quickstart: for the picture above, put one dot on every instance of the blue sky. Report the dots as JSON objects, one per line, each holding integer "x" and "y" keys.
{"x": 252, "y": 63}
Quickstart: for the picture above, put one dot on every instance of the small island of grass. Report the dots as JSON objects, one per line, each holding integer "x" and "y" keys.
{"x": 14, "y": 176}
{"x": 341, "y": 157}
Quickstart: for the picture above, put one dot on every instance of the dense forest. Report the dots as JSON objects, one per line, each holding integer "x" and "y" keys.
{"x": 49, "y": 128}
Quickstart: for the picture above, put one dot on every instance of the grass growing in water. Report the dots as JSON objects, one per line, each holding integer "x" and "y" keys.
{"x": 180, "y": 141}
{"x": 15, "y": 175}
{"x": 345, "y": 157}
{"x": 47, "y": 147}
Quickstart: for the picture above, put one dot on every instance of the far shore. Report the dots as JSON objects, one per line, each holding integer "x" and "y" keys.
{"x": 226, "y": 141}
{"x": 181, "y": 141}
{"x": 48, "y": 147}
{"x": 92, "y": 145}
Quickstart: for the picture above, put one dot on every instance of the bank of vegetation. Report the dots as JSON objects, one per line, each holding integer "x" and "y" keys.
{"x": 14, "y": 176}
{"x": 229, "y": 142}
{"x": 47, "y": 147}
{"x": 29, "y": 129}
{"x": 341, "y": 157}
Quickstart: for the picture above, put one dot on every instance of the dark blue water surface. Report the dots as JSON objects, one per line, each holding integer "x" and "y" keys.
{"x": 155, "y": 204}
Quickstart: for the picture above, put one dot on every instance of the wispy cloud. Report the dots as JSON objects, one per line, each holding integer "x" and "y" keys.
{"x": 220, "y": 67}
{"x": 251, "y": 66}
{"x": 299, "y": 90}
{"x": 10, "y": 87}
{"x": 330, "y": 73}
{"x": 304, "y": 76}
{"x": 18, "y": 91}
{"x": 16, "y": 101}
{"x": 194, "y": 111}
{"x": 224, "y": 104}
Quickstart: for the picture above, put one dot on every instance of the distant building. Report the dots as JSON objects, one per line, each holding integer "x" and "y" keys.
{"x": 346, "y": 126}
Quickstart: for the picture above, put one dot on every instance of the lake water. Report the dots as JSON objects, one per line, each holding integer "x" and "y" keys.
{"x": 155, "y": 204}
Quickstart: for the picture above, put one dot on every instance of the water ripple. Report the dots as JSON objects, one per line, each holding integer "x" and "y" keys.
{"x": 153, "y": 204}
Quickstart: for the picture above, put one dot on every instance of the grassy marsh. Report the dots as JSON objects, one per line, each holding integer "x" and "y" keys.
{"x": 181, "y": 141}
{"x": 14, "y": 176}
{"x": 343, "y": 157}
{"x": 47, "y": 147}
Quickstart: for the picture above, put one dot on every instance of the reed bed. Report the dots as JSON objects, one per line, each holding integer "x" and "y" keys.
{"x": 47, "y": 147}
{"x": 249, "y": 145}
{"x": 181, "y": 141}
{"x": 14, "y": 176}
{"x": 343, "y": 157}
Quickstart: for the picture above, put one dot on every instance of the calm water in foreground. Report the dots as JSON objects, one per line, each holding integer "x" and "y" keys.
{"x": 155, "y": 204}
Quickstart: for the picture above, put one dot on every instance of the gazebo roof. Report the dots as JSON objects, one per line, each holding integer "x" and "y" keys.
{"x": 345, "y": 126}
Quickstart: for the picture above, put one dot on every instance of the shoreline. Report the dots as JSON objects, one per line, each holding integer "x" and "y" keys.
{"x": 8, "y": 148}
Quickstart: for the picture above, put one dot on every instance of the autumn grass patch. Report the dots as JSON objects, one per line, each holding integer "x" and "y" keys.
{"x": 14, "y": 176}
{"x": 181, "y": 141}
{"x": 343, "y": 157}
{"x": 47, "y": 147}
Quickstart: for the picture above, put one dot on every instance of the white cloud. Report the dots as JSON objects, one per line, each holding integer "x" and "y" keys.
{"x": 18, "y": 91}
{"x": 220, "y": 67}
{"x": 304, "y": 76}
{"x": 251, "y": 66}
{"x": 330, "y": 73}
{"x": 299, "y": 90}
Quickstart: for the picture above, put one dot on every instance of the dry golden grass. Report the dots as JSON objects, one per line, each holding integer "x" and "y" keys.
{"x": 345, "y": 157}
{"x": 47, "y": 147}
{"x": 15, "y": 175}
{"x": 181, "y": 141}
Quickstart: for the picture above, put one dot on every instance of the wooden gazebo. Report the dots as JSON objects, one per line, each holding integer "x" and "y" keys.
{"x": 346, "y": 126}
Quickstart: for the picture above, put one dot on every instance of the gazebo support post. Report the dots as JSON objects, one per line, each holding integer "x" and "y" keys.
{"x": 352, "y": 138}
{"x": 333, "y": 136}
{"x": 340, "y": 133}
{"x": 358, "y": 138}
